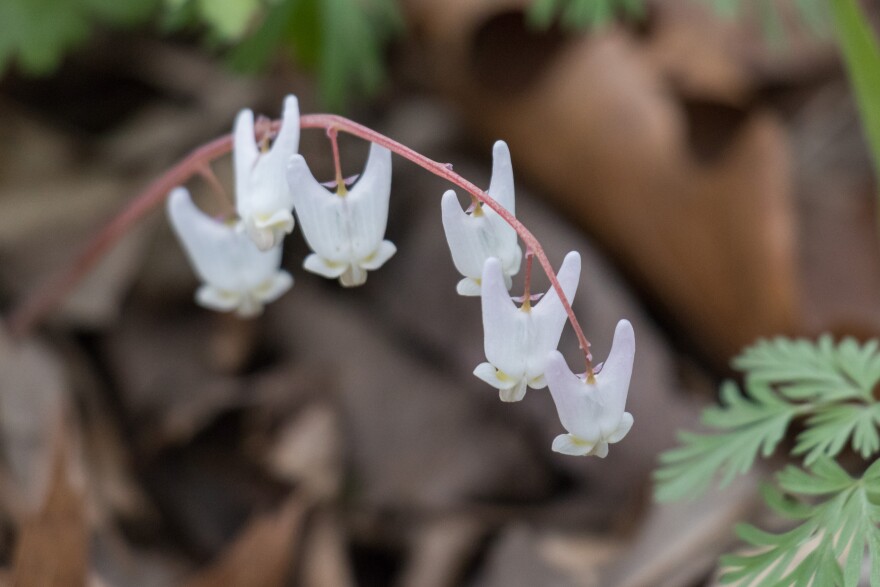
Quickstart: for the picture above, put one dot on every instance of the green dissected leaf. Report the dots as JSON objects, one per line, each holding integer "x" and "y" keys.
{"x": 829, "y": 429}
{"x": 803, "y": 370}
{"x": 36, "y": 34}
{"x": 828, "y": 547}
{"x": 749, "y": 424}
{"x": 830, "y": 386}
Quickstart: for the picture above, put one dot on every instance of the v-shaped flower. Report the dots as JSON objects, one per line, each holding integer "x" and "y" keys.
{"x": 262, "y": 197}
{"x": 345, "y": 229}
{"x": 593, "y": 412}
{"x": 517, "y": 340}
{"x": 236, "y": 274}
{"x": 481, "y": 233}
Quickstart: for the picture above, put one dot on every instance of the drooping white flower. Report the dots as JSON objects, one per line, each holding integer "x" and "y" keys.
{"x": 345, "y": 229}
{"x": 236, "y": 274}
{"x": 517, "y": 340}
{"x": 262, "y": 196}
{"x": 593, "y": 412}
{"x": 481, "y": 233}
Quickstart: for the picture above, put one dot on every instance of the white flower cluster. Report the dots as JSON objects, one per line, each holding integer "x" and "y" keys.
{"x": 239, "y": 262}
{"x": 520, "y": 342}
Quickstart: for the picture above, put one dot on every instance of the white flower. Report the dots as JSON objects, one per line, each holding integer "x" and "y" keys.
{"x": 237, "y": 275}
{"x": 262, "y": 197}
{"x": 517, "y": 340}
{"x": 345, "y": 229}
{"x": 474, "y": 237}
{"x": 592, "y": 412}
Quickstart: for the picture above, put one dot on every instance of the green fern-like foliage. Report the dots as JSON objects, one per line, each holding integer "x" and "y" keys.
{"x": 828, "y": 387}
{"x": 829, "y": 545}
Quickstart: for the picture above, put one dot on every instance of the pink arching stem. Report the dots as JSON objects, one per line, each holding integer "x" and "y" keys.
{"x": 24, "y": 317}
{"x": 333, "y": 134}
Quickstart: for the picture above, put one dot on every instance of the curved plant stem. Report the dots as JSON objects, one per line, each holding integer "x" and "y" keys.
{"x": 35, "y": 307}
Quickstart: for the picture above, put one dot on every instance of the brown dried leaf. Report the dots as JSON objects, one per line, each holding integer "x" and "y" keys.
{"x": 52, "y": 548}
{"x": 262, "y": 555}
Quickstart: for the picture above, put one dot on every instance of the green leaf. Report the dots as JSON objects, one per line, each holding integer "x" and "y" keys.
{"x": 830, "y": 385}
{"x": 229, "y": 18}
{"x": 803, "y": 370}
{"x": 756, "y": 423}
{"x": 36, "y": 34}
{"x": 828, "y": 547}
{"x": 861, "y": 53}
{"x": 830, "y": 427}
{"x": 581, "y": 14}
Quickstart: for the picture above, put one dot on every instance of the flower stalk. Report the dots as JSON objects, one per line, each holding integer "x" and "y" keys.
{"x": 36, "y": 306}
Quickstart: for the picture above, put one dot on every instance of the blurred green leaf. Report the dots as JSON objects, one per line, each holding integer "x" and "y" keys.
{"x": 861, "y": 53}
{"x": 35, "y": 34}
{"x": 580, "y": 14}
{"x": 341, "y": 40}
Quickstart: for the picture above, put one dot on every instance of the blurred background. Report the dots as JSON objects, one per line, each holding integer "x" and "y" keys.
{"x": 709, "y": 161}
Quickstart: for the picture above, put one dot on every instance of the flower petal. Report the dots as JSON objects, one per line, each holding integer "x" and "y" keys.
{"x": 368, "y": 203}
{"x": 505, "y": 327}
{"x": 384, "y": 252}
{"x": 571, "y": 445}
{"x": 287, "y": 140}
{"x": 617, "y": 369}
{"x": 274, "y": 288}
{"x": 549, "y": 314}
{"x": 576, "y": 400}
{"x": 488, "y": 373}
{"x": 244, "y": 153}
{"x": 317, "y": 264}
{"x": 501, "y": 185}
{"x": 467, "y": 236}
{"x": 217, "y": 299}
{"x": 515, "y": 393}
{"x": 321, "y": 214}
{"x": 626, "y": 424}
{"x": 261, "y": 187}
{"x": 468, "y": 287}
{"x": 221, "y": 255}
